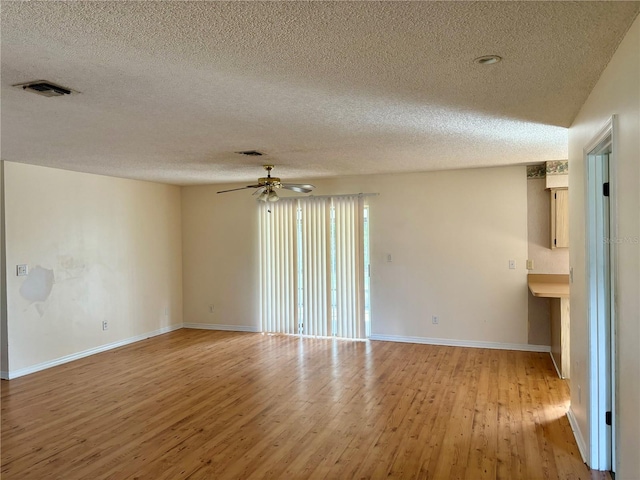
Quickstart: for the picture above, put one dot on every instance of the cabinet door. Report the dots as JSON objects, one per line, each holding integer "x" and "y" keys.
{"x": 560, "y": 218}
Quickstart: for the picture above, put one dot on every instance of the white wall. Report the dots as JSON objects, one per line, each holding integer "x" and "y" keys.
{"x": 450, "y": 234}
{"x": 98, "y": 248}
{"x": 220, "y": 257}
{"x": 617, "y": 92}
{"x": 4, "y": 359}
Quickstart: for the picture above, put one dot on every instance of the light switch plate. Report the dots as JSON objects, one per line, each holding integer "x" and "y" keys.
{"x": 22, "y": 270}
{"x": 529, "y": 264}
{"x": 512, "y": 264}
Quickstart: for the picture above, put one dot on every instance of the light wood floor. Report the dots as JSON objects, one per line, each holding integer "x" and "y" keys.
{"x": 223, "y": 405}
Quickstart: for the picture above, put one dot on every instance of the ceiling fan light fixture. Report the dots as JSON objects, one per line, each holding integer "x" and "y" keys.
{"x": 272, "y": 196}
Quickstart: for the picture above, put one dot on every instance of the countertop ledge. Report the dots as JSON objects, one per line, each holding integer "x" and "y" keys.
{"x": 548, "y": 285}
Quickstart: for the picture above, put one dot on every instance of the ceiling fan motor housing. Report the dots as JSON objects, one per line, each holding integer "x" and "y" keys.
{"x": 272, "y": 181}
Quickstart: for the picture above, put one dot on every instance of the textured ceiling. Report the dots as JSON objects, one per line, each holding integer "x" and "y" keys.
{"x": 170, "y": 90}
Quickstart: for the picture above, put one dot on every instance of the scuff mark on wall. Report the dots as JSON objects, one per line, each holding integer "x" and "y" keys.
{"x": 69, "y": 268}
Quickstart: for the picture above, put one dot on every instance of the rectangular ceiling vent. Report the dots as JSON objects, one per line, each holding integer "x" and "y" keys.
{"x": 45, "y": 88}
{"x": 251, "y": 153}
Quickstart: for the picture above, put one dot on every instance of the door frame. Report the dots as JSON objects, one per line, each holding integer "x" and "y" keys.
{"x": 602, "y": 357}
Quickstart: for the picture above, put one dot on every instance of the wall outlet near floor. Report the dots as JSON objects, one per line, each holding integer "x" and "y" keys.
{"x": 435, "y": 320}
{"x": 210, "y": 308}
{"x": 105, "y": 325}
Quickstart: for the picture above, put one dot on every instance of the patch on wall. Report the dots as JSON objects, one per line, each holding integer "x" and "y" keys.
{"x": 36, "y": 288}
{"x": 536, "y": 171}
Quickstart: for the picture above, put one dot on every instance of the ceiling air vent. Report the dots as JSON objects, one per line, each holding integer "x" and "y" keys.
{"x": 251, "y": 153}
{"x": 45, "y": 88}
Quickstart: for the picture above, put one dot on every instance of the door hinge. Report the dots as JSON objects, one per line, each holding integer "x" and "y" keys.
{"x": 605, "y": 189}
{"x": 555, "y": 242}
{"x": 607, "y": 418}
{"x": 555, "y": 196}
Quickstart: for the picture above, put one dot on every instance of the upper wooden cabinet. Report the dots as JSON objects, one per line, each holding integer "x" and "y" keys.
{"x": 559, "y": 218}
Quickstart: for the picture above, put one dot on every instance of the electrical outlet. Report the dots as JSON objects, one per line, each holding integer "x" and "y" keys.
{"x": 210, "y": 308}
{"x": 435, "y": 320}
{"x": 105, "y": 325}
{"x": 579, "y": 394}
{"x": 22, "y": 270}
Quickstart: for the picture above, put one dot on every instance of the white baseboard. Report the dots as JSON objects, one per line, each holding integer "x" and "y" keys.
{"x": 246, "y": 328}
{"x": 463, "y": 343}
{"x": 229, "y": 328}
{"x": 582, "y": 445}
{"x": 85, "y": 353}
{"x": 555, "y": 365}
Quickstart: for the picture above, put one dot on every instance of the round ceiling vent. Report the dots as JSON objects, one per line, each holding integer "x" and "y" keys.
{"x": 488, "y": 59}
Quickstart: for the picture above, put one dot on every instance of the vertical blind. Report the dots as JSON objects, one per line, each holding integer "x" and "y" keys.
{"x": 312, "y": 266}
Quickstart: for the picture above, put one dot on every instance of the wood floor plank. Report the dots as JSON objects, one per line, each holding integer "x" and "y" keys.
{"x": 197, "y": 404}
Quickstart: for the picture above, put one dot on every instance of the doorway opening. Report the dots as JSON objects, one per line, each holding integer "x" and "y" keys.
{"x": 600, "y": 271}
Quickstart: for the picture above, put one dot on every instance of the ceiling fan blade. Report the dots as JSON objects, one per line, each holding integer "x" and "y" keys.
{"x": 241, "y": 188}
{"x": 259, "y": 191}
{"x": 300, "y": 188}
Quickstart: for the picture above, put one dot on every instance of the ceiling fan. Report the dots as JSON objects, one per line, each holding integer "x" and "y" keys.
{"x": 266, "y": 187}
